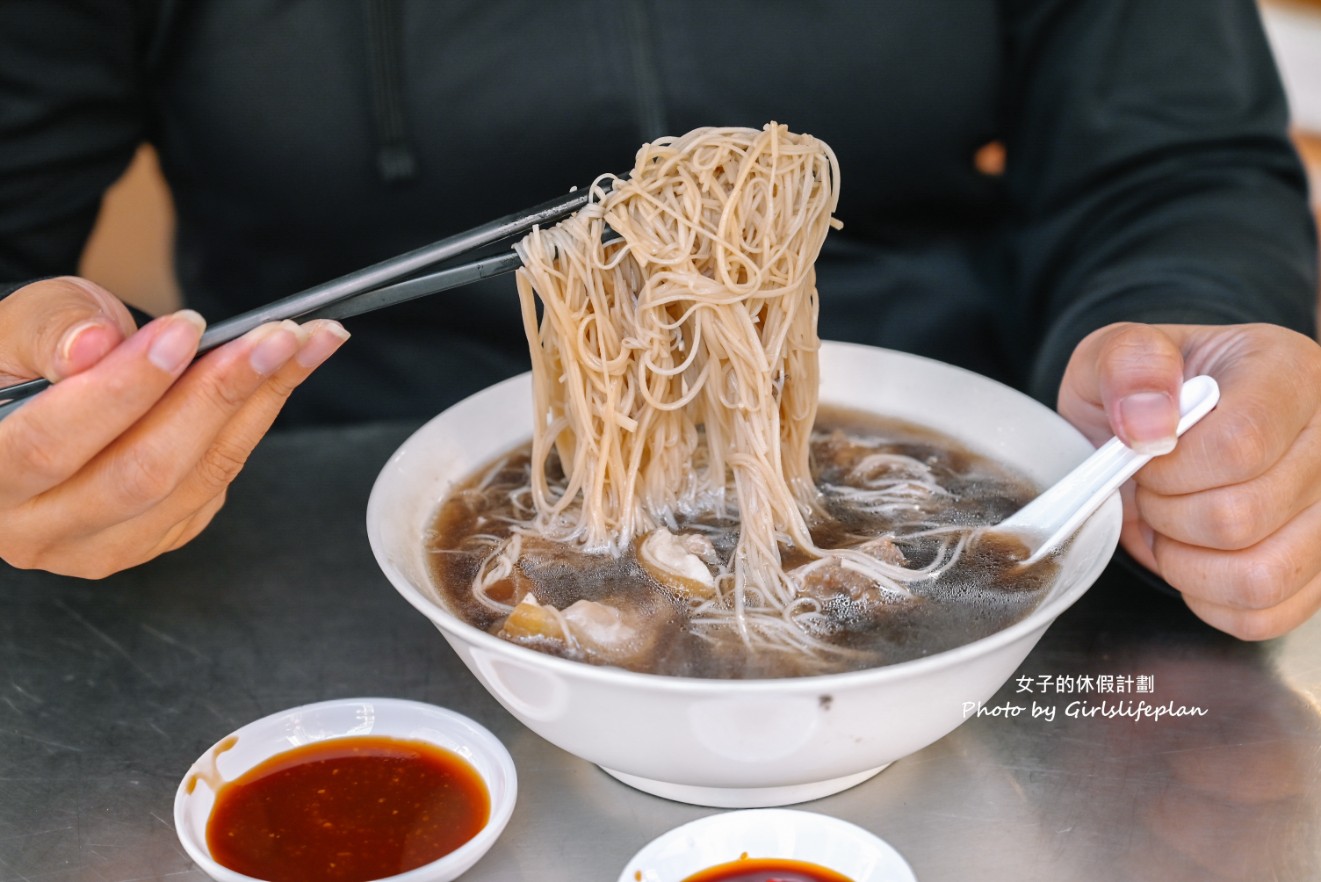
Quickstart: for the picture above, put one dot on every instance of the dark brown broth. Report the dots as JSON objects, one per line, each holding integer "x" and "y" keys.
{"x": 985, "y": 592}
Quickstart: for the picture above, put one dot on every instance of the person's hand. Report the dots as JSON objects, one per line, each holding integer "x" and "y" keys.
{"x": 1231, "y": 518}
{"x": 130, "y": 453}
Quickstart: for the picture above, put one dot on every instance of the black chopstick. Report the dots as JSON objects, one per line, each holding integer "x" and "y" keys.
{"x": 432, "y": 283}
{"x": 360, "y": 291}
{"x": 364, "y": 280}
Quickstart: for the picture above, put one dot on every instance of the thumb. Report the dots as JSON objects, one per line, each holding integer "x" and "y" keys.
{"x": 56, "y": 328}
{"x": 1133, "y": 372}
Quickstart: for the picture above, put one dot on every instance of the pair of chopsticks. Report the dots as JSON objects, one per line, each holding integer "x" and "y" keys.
{"x": 374, "y": 287}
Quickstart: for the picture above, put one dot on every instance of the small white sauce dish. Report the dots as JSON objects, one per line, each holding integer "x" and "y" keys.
{"x": 787, "y": 834}
{"x": 258, "y": 741}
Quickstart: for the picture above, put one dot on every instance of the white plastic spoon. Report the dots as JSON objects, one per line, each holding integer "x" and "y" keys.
{"x": 1047, "y": 521}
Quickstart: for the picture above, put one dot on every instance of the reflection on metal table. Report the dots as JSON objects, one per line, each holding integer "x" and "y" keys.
{"x": 111, "y": 689}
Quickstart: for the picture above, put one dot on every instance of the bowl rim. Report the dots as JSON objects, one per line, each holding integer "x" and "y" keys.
{"x": 477, "y": 737}
{"x": 1107, "y": 518}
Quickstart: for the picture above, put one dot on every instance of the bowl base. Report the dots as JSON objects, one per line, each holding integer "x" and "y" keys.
{"x": 743, "y": 797}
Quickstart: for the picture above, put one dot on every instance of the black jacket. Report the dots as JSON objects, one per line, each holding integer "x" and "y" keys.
{"x": 1148, "y": 173}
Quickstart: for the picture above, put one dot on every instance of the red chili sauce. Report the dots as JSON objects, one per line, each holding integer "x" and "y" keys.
{"x": 747, "y": 869}
{"x": 348, "y": 810}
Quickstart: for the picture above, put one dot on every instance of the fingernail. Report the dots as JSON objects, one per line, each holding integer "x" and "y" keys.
{"x": 276, "y": 345}
{"x": 83, "y": 346}
{"x": 326, "y": 338}
{"x": 176, "y": 345}
{"x": 1149, "y": 422}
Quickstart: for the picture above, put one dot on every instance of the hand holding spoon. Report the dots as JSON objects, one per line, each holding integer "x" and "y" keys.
{"x": 1046, "y": 522}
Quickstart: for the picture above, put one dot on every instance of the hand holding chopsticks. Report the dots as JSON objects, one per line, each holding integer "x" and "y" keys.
{"x": 131, "y": 453}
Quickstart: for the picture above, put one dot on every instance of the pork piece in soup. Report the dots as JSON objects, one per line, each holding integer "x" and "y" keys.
{"x": 904, "y": 497}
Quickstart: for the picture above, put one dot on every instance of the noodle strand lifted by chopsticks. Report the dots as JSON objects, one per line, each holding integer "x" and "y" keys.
{"x": 676, "y": 372}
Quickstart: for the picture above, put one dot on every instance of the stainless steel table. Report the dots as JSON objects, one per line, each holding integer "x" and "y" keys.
{"x": 109, "y": 690}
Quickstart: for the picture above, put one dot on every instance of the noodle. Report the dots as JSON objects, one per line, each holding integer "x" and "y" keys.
{"x": 676, "y": 372}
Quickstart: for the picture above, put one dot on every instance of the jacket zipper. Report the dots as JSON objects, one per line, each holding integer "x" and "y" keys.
{"x": 648, "y": 94}
{"x": 395, "y": 159}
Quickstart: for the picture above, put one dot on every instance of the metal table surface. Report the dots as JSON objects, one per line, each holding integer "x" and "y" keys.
{"x": 109, "y": 691}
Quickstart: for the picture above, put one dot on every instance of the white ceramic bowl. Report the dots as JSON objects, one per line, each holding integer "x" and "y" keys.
{"x": 768, "y": 833}
{"x": 744, "y": 743}
{"x": 258, "y": 741}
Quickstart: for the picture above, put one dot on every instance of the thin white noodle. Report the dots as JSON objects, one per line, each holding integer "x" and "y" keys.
{"x": 676, "y": 372}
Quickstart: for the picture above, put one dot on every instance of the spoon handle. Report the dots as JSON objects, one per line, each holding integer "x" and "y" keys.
{"x": 1045, "y": 522}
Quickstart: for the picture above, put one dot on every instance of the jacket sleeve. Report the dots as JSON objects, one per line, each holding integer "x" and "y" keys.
{"x": 1150, "y": 172}
{"x": 71, "y": 115}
